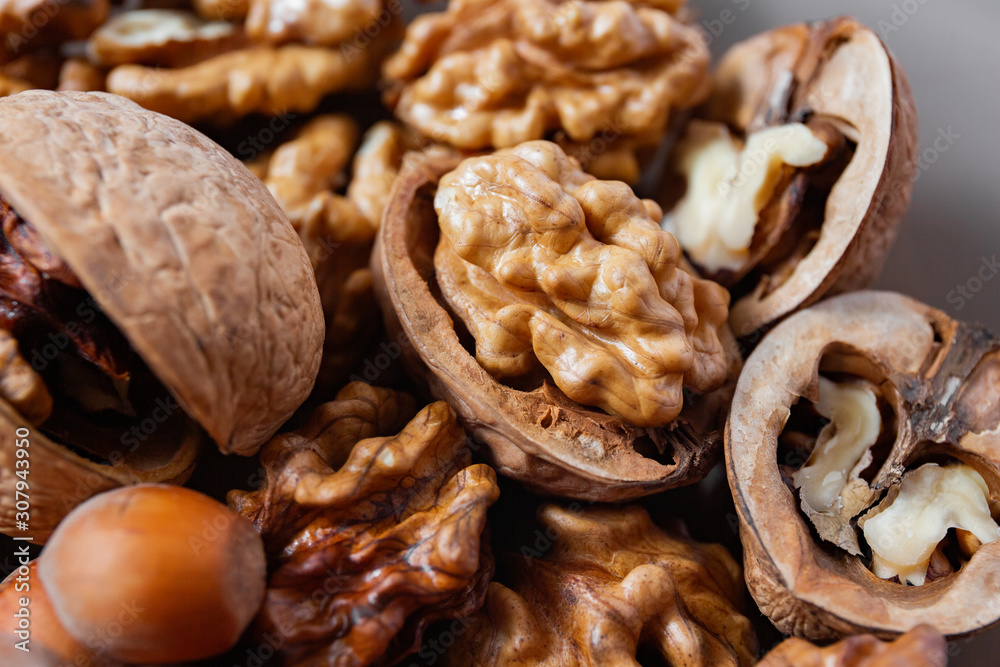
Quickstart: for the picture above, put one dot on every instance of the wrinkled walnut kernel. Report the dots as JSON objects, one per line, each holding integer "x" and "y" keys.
{"x": 611, "y": 583}
{"x": 305, "y": 175}
{"x": 496, "y": 73}
{"x": 270, "y": 81}
{"x": 313, "y": 22}
{"x": 548, "y": 265}
{"x": 370, "y": 537}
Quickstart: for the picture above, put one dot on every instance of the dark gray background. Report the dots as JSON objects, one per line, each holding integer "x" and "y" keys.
{"x": 950, "y": 239}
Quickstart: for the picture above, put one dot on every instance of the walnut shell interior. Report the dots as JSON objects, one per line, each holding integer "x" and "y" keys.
{"x": 940, "y": 377}
{"x": 826, "y": 229}
{"x": 536, "y": 435}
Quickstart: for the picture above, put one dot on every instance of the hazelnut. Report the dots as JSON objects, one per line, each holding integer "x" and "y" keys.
{"x": 178, "y": 573}
{"x": 49, "y": 643}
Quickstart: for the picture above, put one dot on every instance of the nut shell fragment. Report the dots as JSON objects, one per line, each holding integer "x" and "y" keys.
{"x": 180, "y": 246}
{"x": 612, "y": 581}
{"x": 838, "y": 76}
{"x": 922, "y": 646}
{"x": 933, "y": 371}
{"x": 370, "y": 538}
{"x": 536, "y": 434}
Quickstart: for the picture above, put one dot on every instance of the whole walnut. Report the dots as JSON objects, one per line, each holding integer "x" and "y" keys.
{"x": 150, "y": 286}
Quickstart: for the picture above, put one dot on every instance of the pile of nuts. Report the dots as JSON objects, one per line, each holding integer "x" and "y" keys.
{"x": 409, "y": 306}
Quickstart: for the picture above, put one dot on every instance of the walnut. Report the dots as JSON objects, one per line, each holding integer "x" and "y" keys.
{"x": 313, "y": 22}
{"x": 534, "y": 431}
{"x": 80, "y": 75}
{"x": 9, "y": 86}
{"x": 148, "y": 280}
{"x": 28, "y": 24}
{"x": 305, "y": 174}
{"x": 569, "y": 272}
{"x": 168, "y": 38}
{"x": 922, "y": 646}
{"x": 611, "y": 582}
{"x": 264, "y": 80}
{"x": 37, "y": 69}
{"x": 222, "y": 10}
{"x": 901, "y": 484}
{"x": 370, "y": 536}
{"x": 601, "y": 75}
{"x": 792, "y": 180}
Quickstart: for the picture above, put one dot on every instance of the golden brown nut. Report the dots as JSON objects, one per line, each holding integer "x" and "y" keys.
{"x": 262, "y": 80}
{"x": 80, "y": 75}
{"x": 933, "y": 397}
{"x": 177, "y": 573}
{"x": 314, "y": 22}
{"x": 28, "y": 24}
{"x": 9, "y": 86}
{"x": 34, "y": 636}
{"x": 819, "y": 228}
{"x": 534, "y": 431}
{"x": 168, "y": 38}
{"x": 611, "y": 582}
{"x": 564, "y": 271}
{"x": 496, "y": 73}
{"x": 305, "y": 175}
{"x": 222, "y": 10}
{"x": 370, "y": 539}
{"x": 922, "y": 646}
{"x": 149, "y": 280}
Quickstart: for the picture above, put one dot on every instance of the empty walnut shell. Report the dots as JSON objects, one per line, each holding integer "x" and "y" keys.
{"x": 939, "y": 378}
{"x": 370, "y": 536}
{"x": 193, "y": 266}
{"x": 539, "y": 436}
{"x": 808, "y": 243}
{"x": 922, "y": 646}
{"x": 607, "y": 582}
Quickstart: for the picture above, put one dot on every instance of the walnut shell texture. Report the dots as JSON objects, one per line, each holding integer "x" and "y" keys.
{"x": 612, "y": 581}
{"x": 370, "y": 537}
{"x": 940, "y": 378}
{"x": 538, "y": 436}
{"x": 840, "y": 72}
{"x": 922, "y": 646}
{"x": 180, "y": 245}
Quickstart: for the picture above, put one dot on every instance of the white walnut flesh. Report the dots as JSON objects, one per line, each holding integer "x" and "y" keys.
{"x": 729, "y": 184}
{"x": 904, "y": 531}
{"x": 854, "y": 427}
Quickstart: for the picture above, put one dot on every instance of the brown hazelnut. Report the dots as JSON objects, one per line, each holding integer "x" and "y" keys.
{"x": 33, "y": 634}
{"x": 862, "y": 437}
{"x": 151, "y": 285}
{"x": 178, "y": 573}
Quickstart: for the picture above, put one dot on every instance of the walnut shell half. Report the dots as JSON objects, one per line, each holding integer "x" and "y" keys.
{"x": 203, "y": 284}
{"x": 938, "y": 381}
{"x": 825, "y": 228}
{"x": 922, "y": 646}
{"x": 537, "y": 435}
